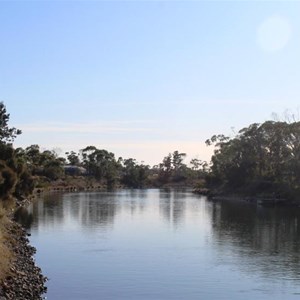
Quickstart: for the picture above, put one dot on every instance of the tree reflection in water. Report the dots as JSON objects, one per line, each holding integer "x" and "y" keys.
{"x": 268, "y": 237}
{"x": 260, "y": 239}
{"x": 172, "y": 205}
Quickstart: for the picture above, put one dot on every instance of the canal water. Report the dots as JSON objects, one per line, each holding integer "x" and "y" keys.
{"x": 163, "y": 244}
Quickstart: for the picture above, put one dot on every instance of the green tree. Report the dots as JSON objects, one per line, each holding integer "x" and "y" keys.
{"x": 15, "y": 180}
{"x": 196, "y": 164}
{"x": 261, "y": 158}
{"x": 45, "y": 163}
{"x": 133, "y": 174}
{"x": 73, "y": 158}
{"x": 179, "y": 168}
{"x": 100, "y": 164}
{"x": 165, "y": 169}
{"x": 14, "y": 177}
{"x": 7, "y": 134}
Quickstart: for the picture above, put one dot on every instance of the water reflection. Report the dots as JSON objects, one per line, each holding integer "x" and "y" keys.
{"x": 92, "y": 209}
{"x": 86, "y": 209}
{"x": 167, "y": 238}
{"x": 172, "y": 205}
{"x": 133, "y": 201}
{"x": 267, "y": 239}
{"x": 272, "y": 231}
{"x": 24, "y": 217}
{"x": 46, "y": 210}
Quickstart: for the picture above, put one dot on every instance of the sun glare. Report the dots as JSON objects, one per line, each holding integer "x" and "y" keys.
{"x": 274, "y": 33}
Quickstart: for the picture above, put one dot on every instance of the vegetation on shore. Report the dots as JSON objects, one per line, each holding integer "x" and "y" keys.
{"x": 11, "y": 175}
{"x": 260, "y": 160}
{"x": 23, "y": 170}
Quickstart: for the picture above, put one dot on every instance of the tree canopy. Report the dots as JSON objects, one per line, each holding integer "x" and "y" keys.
{"x": 15, "y": 180}
{"x": 7, "y": 134}
{"x": 261, "y": 158}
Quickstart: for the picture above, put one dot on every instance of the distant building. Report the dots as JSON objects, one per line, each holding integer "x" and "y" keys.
{"x": 74, "y": 170}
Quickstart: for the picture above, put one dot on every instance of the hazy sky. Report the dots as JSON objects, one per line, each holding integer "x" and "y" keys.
{"x": 145, "y": 78}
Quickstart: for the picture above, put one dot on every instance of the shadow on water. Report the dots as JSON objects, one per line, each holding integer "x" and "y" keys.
{"x": 268, "y": 237}
{"x": 24, "y": 217}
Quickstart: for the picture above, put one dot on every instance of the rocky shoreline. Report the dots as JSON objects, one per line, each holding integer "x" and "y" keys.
{"x": 25, "y": 281}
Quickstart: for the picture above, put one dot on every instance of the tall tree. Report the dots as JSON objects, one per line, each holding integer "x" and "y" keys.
{"x": 15, "y": 180}
{"x": 261, "y": 158}
{"x": 73, "y": 158}
{"x": 7, "y": 134}
{"x": 134, "y": 175}
{"x": 101, "y": 164}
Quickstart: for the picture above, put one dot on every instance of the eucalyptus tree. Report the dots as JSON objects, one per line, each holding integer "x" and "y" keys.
{"x": 73, "y": 158}
{"x": 133, "y": 174}
{"x": 14, "y": 177}
{"x": 165, "y": 169}
{"x": 196, "y": 164}
{"x": 7, "y": 134}
{"x": 172, "y": 168}
{"x": 100, "y": 164}
{"x": 45, "y": 163}
{"x": 32, "y": 156}
{"x": 52, "y": 165}
{"x": 180, "y": 171}
{"x": 261, "y": 158}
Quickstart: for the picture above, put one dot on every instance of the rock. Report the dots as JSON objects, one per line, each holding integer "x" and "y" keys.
{"x": 26, "y": 281}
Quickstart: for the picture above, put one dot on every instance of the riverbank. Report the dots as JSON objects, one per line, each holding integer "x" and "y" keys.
{"x": 6, "y": 254}
{"x": 69, "y": 184}
{"x": 260, "y": 199}
{"x": 20, "y": 278}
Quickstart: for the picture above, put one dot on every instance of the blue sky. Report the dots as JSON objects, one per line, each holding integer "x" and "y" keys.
{"x": 145, "y": 78}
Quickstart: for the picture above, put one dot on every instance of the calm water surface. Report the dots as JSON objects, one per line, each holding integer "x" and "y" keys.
{"x": 163, "y": 244}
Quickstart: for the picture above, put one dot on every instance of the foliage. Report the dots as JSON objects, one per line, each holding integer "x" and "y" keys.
{"x": 133, "y": 174}
{"x": 11, "y": 170}
{"x": 7, "y": 134}
{"x": 260, "y": 158}
{"x": 8, "y": 180}
{"x": 100, "y": 164}
{"x": 174, "y": 170}
{"x": 15, "y": 180}
{"x": 73, "y": 158}
{"x": 44, "y": 163}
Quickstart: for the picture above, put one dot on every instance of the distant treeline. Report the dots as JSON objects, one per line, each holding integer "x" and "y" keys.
{"x": 22, "y": 169}
{"x": 260, "y": 159}
{"x": 103, "y": 166}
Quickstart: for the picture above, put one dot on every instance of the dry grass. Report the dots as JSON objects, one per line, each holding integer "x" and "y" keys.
{"x": 5, "y": 254}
